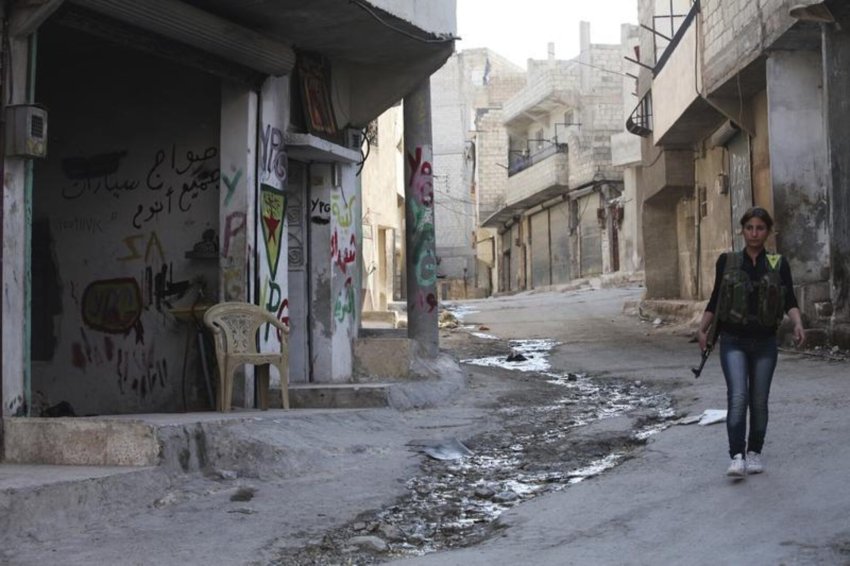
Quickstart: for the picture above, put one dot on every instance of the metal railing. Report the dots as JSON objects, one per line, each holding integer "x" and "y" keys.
{"x": 521, "y": 162}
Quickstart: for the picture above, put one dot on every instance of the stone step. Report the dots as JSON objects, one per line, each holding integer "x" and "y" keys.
{"x": 382, "y": 356}
{"x": 339, "y": 396}
{"x": 79, "y": 441}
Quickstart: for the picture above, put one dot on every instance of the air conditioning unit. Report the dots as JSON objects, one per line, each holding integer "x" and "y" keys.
{"x": 26, "y": 131}
{"x": 353, "y": 138}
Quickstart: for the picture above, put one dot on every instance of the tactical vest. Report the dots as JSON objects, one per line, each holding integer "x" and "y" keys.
{"x": 736, "y": 286}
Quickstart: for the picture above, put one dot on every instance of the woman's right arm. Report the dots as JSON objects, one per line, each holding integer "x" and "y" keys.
{"x": 711, "y": 308}
{"x": 704, "y": 326}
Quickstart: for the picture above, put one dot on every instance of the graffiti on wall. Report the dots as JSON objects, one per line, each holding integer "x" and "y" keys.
{"x": 95, "y": 175}
{"x": 272, "y": 297}
{"x": 160, "y": 286}
{"x": 231, "y": 184}
{"x": 272, "y": 214}
{"x": 174, "y": 180}
{"x": 151, "y": 244}
{"x": 232, "y": 270}
{"x": 274, "y": 156}
{"x": 141, "y": 371}
{"x": 343, "y": 250}
{"x": 295, "y": 232}
{"x": 234, "y": 226}
{"x": 344, "y": 305}
{"x": 112, "y": 305}
{"x": 422, "y": 216}
{"x": 345, "y": 255}
{"x": 320, "y": 211}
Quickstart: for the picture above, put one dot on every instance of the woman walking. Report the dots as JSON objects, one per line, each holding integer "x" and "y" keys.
{"x": 752, "y": 292}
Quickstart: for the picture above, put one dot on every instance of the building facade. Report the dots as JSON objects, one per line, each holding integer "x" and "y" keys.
{"x": 195, "y": 156}
{"x": 468, "y": 94}
{"x": 744, "y": 107}
{"x": 561, "y": 215}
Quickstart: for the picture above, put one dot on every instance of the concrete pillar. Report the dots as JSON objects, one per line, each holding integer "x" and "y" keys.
{"x": 799, "y": 170}
{"x": 661, "y": 247}
{"x": 334, "y": 258}
{"x": 421, "y": 257}
{"x": 236, "y": 209}
{"x": 15, "y": 226}
{"x": 836, "y": 66}
{"x": 272, "y": 205}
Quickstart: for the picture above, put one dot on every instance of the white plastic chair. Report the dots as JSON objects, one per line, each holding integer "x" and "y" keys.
{"x": 234, "y": 326}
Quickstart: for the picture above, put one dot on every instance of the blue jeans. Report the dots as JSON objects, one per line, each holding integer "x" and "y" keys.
{"x": 748, "y": 365}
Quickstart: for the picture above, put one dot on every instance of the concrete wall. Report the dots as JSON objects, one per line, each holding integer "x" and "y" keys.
{"x": 541, "y": 274}
{"x": 714, "y": 219}
{"x": 799, "y": 168}
{"x": 239, "y": 149}
{"x": 677, "y": 84}
{"x": 17, "y": 208}
{"x": 129, "y": 187}
{"x": 631, "y": 228}
{"x": 735, "y": 32}
{"x": 590, "y": 236}
{"x": 560, "y": 230}
{"x": 466, "y": 97}
{"x": 382, "y": 181}
{"x": 434, "y": 16}
{"x": 334, "y": 257}
{"x": 273, "y": 196}
{"x": 836, "y": 84}
{"x": 299, "y": 209}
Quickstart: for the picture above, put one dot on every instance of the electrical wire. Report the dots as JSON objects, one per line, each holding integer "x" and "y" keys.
{"x": 366, "y": 8}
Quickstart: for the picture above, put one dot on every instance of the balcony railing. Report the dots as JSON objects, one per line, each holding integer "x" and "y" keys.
{"x": 520, "y": 163}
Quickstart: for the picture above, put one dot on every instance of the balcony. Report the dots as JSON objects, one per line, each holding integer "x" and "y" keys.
{"x": 538, "y": 177}
{"x": 550, "y": 91}
{"x": 532, "y": 181}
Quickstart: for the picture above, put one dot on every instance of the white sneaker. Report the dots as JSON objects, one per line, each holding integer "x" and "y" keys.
{"x": 754, "y": 464}
{"x": 738, "y": 467}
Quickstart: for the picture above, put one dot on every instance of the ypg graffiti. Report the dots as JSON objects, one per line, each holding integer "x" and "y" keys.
{"x": 112, "y": 305}
{"x": 273, "y": 213}
{"x": 274, "y": 157}
{"x": 422, "y": 227}
{"x": 320, "y": 212}
{"x": 231, "y": 184}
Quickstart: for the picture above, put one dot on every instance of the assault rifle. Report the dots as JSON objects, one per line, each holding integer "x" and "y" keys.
{"x": 711, "y": 336}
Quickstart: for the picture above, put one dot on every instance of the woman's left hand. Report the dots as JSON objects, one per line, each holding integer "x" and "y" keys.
{"x": 799, "y": 335}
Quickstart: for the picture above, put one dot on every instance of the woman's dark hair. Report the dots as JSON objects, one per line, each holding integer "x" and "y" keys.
{"x": 760, "y": 213}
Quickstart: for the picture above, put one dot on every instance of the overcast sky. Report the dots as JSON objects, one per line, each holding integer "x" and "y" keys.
{"x": 521, "y": 29}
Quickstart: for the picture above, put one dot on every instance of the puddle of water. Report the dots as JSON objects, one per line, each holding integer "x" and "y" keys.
{"x": 535, "y": 352}
{"x": 456, "y": 503}
{"x": 460, "y": 311}
{"x": 484, "y": 335}
{"x": 595, "y": 468}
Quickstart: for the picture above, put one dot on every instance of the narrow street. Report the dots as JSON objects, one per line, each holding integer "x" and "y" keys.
{"x": 574, "y": 455}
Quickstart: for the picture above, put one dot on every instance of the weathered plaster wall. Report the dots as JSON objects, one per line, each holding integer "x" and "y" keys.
{"x": 273, "y": 196}
{"x": 382, "y": 183}
{"x": 333, "y": 257}
{"x": 15, "y": 214}
{"x": 131, "y": 184}
{"x": 735, "y": 32}
{"x": 837, "y": 84}
{"x": 799, "y": 168}
{"x": 714, "y": 216}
